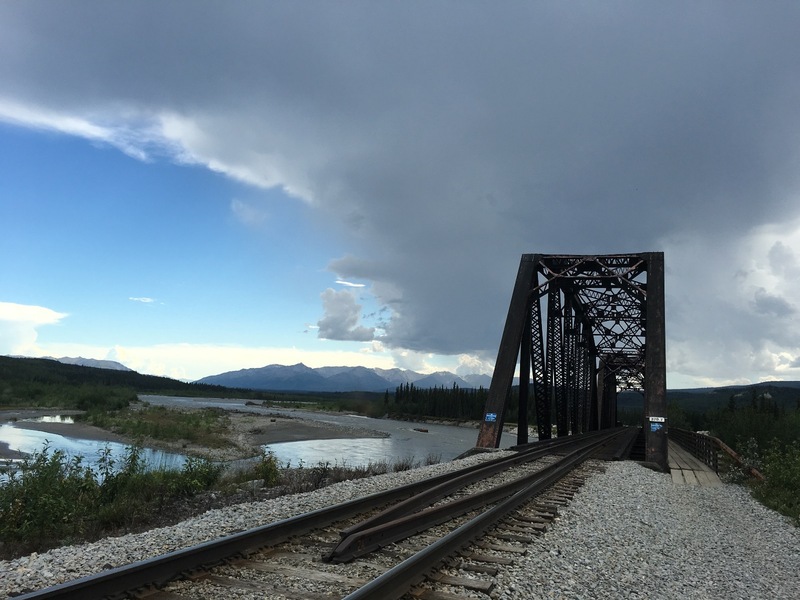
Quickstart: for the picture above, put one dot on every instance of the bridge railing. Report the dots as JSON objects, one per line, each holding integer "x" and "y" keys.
{"x": 708, "y": 448}
{"x": 701, "y": 446}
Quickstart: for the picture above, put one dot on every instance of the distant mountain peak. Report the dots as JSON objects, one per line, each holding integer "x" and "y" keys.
{"x": 92, "y": 362}
{"x": 301, "y": 378}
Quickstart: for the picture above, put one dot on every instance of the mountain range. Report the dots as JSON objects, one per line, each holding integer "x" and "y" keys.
{"x": 91, "y": 362}
{"x": 301, "y": 378}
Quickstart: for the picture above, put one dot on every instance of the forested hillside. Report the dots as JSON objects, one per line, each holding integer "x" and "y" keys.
{"x": 50, "y": 383}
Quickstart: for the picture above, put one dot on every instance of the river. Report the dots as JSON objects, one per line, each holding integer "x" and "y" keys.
{"x": 404, "y": 440}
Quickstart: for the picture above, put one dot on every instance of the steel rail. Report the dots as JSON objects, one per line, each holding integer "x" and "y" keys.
{"x": 624, "y": 449}
{"x": 526, "y": 453}
{"x": 159, "y": 570}
{"x": 395, "y": 582}
{"x": 364, "y": 541}
{"x": 562, "y": 440}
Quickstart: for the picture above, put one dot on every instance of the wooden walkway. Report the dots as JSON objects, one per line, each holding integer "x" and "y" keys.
{"x": 688, "y": 470}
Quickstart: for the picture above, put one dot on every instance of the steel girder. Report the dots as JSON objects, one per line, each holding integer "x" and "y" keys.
{"x": 541, "y": 383}
{"x": 603, "y": 331}
{"x": 555, "y": 361}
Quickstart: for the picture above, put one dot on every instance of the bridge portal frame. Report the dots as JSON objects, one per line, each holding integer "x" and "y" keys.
{"x": 603, "y": 331}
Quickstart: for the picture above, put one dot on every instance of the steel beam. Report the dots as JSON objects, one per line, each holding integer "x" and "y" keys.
{"x": 555, "y": 360}
{"x": 569, "y": 363}
{"x": 655, "y": 380}
{"x": 524, "y": 381}
{"x": 541, "y": 385}
{"x": 594, "y": 397}
{"x": 503, "y": 376}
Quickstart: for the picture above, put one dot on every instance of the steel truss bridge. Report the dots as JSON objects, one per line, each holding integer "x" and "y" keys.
{"x": 583, "y": 327}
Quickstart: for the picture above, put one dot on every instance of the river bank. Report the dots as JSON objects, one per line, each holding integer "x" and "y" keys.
{"x": 404, "y": 439}
{"x": 251, "y": 427}
{"x": 247, "y": 432}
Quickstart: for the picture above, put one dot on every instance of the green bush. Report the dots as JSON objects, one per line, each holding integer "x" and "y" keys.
{"x": 198, "y": 474}
{"x": 54, "y": 500}
{"x": 204, "y": 427}
{"x": 780, "y": 465}
{"x": 49, "y": 498}
{"x": 267, "y": 469}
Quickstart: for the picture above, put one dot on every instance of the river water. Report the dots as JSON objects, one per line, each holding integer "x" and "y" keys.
{"x": 29, "y": 441}
{"x": 443, "y": 442}
{"x": 403, "y": 441}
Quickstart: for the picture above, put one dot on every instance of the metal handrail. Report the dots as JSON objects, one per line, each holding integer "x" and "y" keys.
{"x": 707, "y": 448}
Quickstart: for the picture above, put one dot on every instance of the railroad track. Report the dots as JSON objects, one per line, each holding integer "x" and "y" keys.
{"x": 405, "y": 540}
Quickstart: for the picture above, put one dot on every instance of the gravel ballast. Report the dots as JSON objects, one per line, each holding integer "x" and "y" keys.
{"x": 629, "y": 533}
{"x": 632, "y": 533}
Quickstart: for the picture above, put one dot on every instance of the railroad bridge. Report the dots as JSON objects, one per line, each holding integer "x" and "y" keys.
{"x": 582, "y": 328}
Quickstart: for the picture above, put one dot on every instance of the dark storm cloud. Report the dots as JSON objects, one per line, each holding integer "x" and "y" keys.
{"x": 783, "y": 261}
{"x": 442, "y": 140}
{"x": 772, "y": 305}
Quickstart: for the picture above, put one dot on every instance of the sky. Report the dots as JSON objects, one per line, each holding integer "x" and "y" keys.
{"x": 194, "y": 187}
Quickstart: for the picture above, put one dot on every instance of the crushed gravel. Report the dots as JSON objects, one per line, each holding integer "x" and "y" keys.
{"x": 632, "y": 533}
{"x": 628, "y": 533}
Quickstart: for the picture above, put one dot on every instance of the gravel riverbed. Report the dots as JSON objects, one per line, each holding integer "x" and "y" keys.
{"x": 629, "y": 533}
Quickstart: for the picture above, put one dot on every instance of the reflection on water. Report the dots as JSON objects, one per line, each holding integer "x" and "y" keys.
{"x": 356, "y": 452}
{"x": 29, "y": 441}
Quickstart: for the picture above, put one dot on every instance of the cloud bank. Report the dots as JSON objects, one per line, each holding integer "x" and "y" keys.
{"x": 19, "y": 325}
{"x": 441, "y": 141}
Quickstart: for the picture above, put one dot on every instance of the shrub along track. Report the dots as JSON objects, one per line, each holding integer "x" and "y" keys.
{"x": 284, "y": 558}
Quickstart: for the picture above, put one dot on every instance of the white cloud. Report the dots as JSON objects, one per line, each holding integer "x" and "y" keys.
{"x": 194, "y": 361}
{"x": 29, "y": 313}
{"x": 142, "y": 299}
{"x": 469, "y": 365}
{"x": 731, "y": 308}
{"x": 40, "y": 118}
{"x": 342, "y": 317}
{"x": 350, "y": 283}
{"x": 248, "y": 214}
{"x": 19, "y": 324}
{"x": 191, "y": 362}
{"x": 137, "y": 135}
{"x": 254, "y": 162}
{"x": 414, "y": 361}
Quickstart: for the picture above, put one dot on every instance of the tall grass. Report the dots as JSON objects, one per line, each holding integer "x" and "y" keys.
{"x": 206, "y": 427}
{"x": 54, "y": 499}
